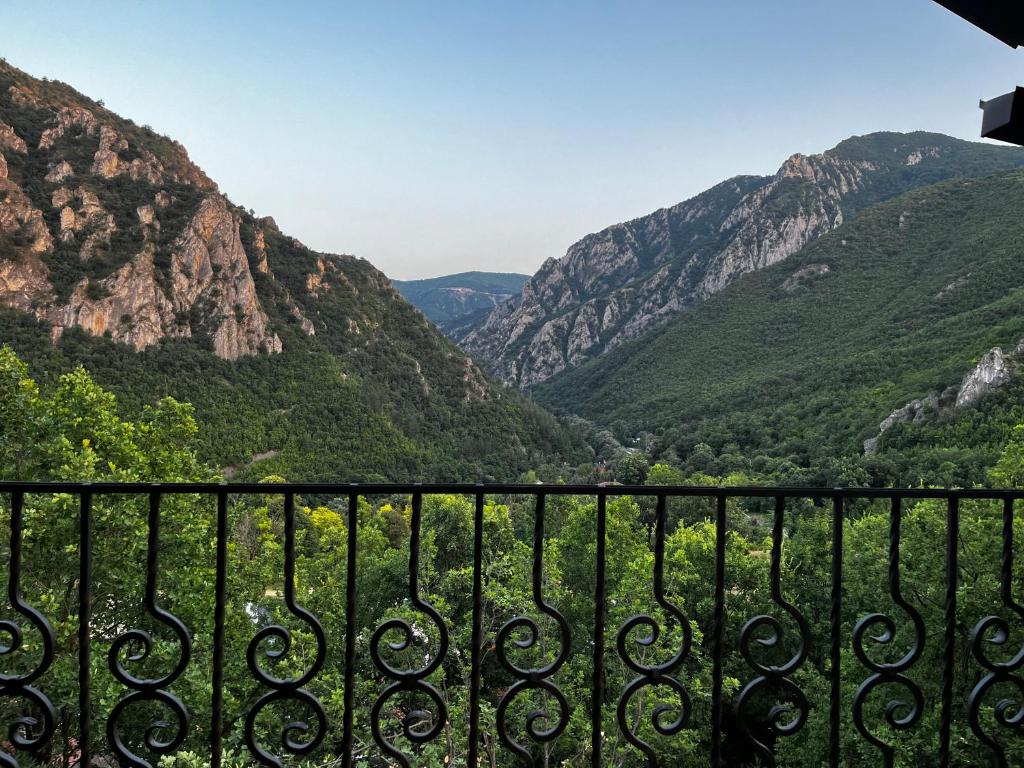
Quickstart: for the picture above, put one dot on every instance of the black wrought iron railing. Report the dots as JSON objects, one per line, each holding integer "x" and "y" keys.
{"x": 852, "y": 685}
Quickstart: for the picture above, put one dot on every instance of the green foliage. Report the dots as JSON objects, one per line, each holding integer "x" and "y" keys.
{"x": 1009, "y": 470}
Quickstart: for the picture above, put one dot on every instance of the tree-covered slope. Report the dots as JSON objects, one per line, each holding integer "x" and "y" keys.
{"x": 451, "y": 301}
{"x": 795, "y": 366}
{"x": 116, "y": 251}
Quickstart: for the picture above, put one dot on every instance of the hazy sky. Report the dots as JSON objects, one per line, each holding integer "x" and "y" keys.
{"x": 434, "y": 137}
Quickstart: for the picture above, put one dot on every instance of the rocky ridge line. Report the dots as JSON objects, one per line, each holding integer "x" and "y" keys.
{"x": 615, "y": 285}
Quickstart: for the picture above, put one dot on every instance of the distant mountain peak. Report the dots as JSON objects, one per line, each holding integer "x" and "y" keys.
{"x": 451, "y": 301}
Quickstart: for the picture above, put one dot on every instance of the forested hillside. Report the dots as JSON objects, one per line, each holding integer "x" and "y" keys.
{"x": 788, "y": 372}
{"x": 117, "y": 252}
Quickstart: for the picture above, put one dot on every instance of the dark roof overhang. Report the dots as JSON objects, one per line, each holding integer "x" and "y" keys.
{"x": 1003, "y": 19}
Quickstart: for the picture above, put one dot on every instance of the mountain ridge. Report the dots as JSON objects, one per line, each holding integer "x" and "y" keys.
{"x": 873, "y": 356}
{"x": 119, "y": 253}
{"x": 615, "y": 285}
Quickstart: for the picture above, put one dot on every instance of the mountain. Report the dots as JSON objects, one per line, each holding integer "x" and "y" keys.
{"x": 613, "y": 286}
{"x": 885, "y": 352}
{"x": 451, "y": 301}
{"x": 118, "y": 252}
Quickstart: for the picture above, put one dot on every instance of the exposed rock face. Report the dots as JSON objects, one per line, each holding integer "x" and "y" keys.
{"x": 915, "y": 411}
{"x": 81, "y": 212}
{"x": 315, "y": 280}
{"x": 24, "y": 283}
{"x": 134, "y": 310}
{"x": 65, "y": 120}
{"x": 804, "y": 276}
{"x": 60, "y": 172}
{"x": 476, "y": 384}
{"x": 79, "y": 124}
{"x": 992, "y": 372}
{"x": 202, "y": 283}
{"x": 304, "y": 322}
{"x": 23, "y": 97}
{"x": 209, "y": 272}
{"x": 260, "y": 243}
{"x": 18, "y": 217}
{"x": 10, "y": 141}
{"x": 209, "y": 256}
{"x": 610, "y": 287}
{"x": 613, "y": 286}
{"x": 915, "y": 157}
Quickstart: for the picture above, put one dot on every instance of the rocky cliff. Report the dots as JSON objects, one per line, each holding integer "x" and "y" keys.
{"x": 617, "y": 284}
{"x": 907, "y": 320}
{"x": 108, "y": 227}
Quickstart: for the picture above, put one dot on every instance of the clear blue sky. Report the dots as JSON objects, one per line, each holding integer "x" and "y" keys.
{"x": 433, "y": 137}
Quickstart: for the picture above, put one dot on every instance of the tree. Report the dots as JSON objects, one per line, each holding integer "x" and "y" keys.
{"x": 1009, "y": 470}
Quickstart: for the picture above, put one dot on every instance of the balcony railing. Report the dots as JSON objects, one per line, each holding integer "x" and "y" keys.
{"x": 780, "y": 675}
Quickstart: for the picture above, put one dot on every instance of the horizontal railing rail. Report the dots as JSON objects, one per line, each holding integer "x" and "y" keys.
{"x": 728, "y": 689}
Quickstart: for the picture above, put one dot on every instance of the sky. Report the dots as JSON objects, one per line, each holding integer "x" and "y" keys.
{"x": 437, "y": 137}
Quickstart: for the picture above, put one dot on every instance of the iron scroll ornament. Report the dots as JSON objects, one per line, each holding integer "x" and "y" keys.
{"x": 30, "y": 731}
{"x": 995, "y": 630}
{"x": 900, "y": 714}
{"x": 774, "y": 676}
{"x": 655, "y": 675}
{"x": 533, "y": 679}
{"x": 149, "y": 689}
{"x": 298, "y": 738}
{"x": 418, "y": 726}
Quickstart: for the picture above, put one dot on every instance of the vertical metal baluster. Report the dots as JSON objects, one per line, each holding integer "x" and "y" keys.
{"x": 29, "y": 732}
{"x": 533, "y": 678}
{"x": 949, "y": 640}
{"x": 219, "y": 609}
{"x": 350, "y": 628}
{"x": 835, "y": 617}
{"x": 717, "y": 634}
{"x": 652, "y": 673}
{"x": 84, "y": 628}
{"x": 478, "y": 639}
{"x": 775, "y": 677}
{"x": 419, "y": 727}
{"x": 295, "y": 736}
{"x": 900, "y": 713}
{"x": 151, "y": 689}
{"x": 600, "y": 613}
{"x": 994, "y": 630}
